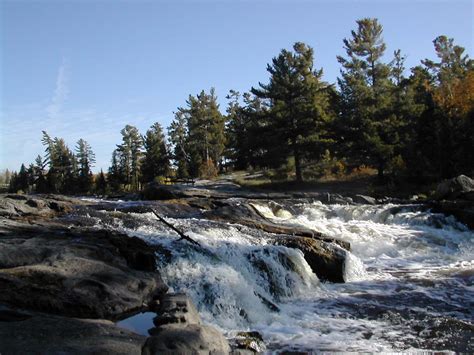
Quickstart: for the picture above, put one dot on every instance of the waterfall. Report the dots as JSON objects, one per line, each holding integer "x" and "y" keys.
{"x": 409, "y": 274}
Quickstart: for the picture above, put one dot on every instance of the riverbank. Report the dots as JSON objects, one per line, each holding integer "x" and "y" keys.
{"x": 65, "y": 284}
{"x": 76, "y": 266}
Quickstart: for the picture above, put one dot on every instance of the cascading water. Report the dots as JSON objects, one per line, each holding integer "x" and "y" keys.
{"x": 409, "y": 278}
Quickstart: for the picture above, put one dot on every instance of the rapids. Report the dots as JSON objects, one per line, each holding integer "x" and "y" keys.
{"x": 409, "y": 278}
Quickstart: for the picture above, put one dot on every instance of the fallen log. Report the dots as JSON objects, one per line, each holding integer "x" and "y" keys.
{"x": 181, "y": 234}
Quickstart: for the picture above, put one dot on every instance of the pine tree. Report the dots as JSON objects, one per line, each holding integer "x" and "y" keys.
{"x": 62, "y": 175}
{"x": 115, "y": 176}
{"x": 371, "y": 127}
{"x": 155, "y": 160}
{"x": 178, "y": 133}
{"x": 205, "y": 137}
{"x": 130, "y": 153}
{"x": 242, "y": 130}
{"x": 454, "y": 123}
{"x": 22, "y": 180}
{"x": 39, "y": 173}
{"x": 85, "y": 159}
{"x": 101, "y": 183}
{"x": 299, "y": 113}
{"x": 13, "y": 182}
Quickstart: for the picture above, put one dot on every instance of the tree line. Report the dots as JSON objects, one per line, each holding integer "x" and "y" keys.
{"x": 61, "y": 170}
{"x": 418, "y": 125}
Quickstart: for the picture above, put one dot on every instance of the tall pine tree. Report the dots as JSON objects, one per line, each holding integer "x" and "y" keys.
{"x": 365, "y": 86}
{"x": 155, "y": 159}
{"x": 298, "y": 120}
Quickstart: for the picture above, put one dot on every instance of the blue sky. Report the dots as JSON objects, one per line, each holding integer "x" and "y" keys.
{"x": 85, "y": 69}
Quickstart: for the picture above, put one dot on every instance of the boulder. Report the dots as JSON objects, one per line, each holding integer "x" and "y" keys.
{"x": 76, "y": 272}
{"x": 187, "y": 339}
{"x": 461, "y": 187}
{"x": 155, "y": 191}
{"x": 179, "y": 330}
{"x": 326, "y": 259}
{"x": 364, "y": 200}
{"x": 176, "y": 308}
{"x": 248, "y": 343}
{"x": 25, "y": 333}
{"x": 462, "y": 210}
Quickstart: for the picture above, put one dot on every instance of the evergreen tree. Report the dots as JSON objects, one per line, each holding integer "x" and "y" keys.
{"x": 13, "y": 182}
{"x": 85, "y": 160}
{"x": 155, "y": 161}
{"x": 299, "y": 108}
{"x": 178, "y": 134}
{"x": 115, "y": 176}
{"x": 242, "y": 130}
{"x": 22, "y": 180}
{"x": 453, "y": 131}
{"x": 62, "y": 174}
{"x": 370, "y": 125}
{"x": 101, "y": 183}
{"x": 39, "y": 173}
{"x": 130, "y": 153}
{"x": 205, "y": 126}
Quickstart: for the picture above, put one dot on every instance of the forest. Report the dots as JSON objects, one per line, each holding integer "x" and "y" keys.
{"x": 408, "y": 124}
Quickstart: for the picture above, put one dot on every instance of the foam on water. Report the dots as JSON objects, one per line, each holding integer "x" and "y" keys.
{"x": 409, "y": 276}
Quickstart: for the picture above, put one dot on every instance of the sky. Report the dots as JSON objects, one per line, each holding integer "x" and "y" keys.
{"x": 85, "y": 69}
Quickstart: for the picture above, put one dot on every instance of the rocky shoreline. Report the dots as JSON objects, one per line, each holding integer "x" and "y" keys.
{"x": 65, "y": 282}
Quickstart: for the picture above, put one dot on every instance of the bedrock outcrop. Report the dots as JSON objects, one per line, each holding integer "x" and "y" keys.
{"x": 35, "y": 333}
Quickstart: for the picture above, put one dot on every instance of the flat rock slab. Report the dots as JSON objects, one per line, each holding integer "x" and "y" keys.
{"x": 48, "y": 334}
{"x": 17, "y": 206}
{"x": 75, "y": 272}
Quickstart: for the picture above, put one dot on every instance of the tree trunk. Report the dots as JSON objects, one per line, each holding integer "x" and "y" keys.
{"x": 380, "y": 170}
{"x": 299, "y": 175}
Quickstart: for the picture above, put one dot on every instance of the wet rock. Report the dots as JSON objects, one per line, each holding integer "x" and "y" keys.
{"x": 326, "y": 259}
{"x": 241, "y": 212}
{"x": 176, "y": 308}
{"x": 455, "y": 188}
{"x": 248, "y": 343}
{"x": 179, "y": 330}
{"x": 365, "y": 200}
{"x": 48, "y": 334}
{"x": 75, "y": 272}
{"x": 462, "y": 210}
{"x": 187, "y": 339}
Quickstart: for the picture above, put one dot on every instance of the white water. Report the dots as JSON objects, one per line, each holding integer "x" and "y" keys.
{"x": 409, "y": 273}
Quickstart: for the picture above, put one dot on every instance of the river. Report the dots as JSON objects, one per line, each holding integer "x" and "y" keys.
{"x": 409, "y": 278}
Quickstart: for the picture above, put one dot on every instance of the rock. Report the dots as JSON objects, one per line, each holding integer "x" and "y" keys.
{"x": 76, "y": 272}
{"x": 15, "y": 206}
{"x": 365, "y": 200}
{"x": 462, "y": 210}
{"x": 248, "y": 343}
{"x": 179, "y": 330}
{"x": 326, "y": 259}
{"x": 155, "y": 191}
{"x": 278, "y": 210}
{"x": 187, "y": 339}
{"x": 455, "y": 188}
{"x": 176, "y": 308}
{"x": 246, "y": 214}
{"x": 48, "y": 334}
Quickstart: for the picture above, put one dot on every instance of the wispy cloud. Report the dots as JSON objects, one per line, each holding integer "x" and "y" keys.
{"x": 61, "y": 91}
